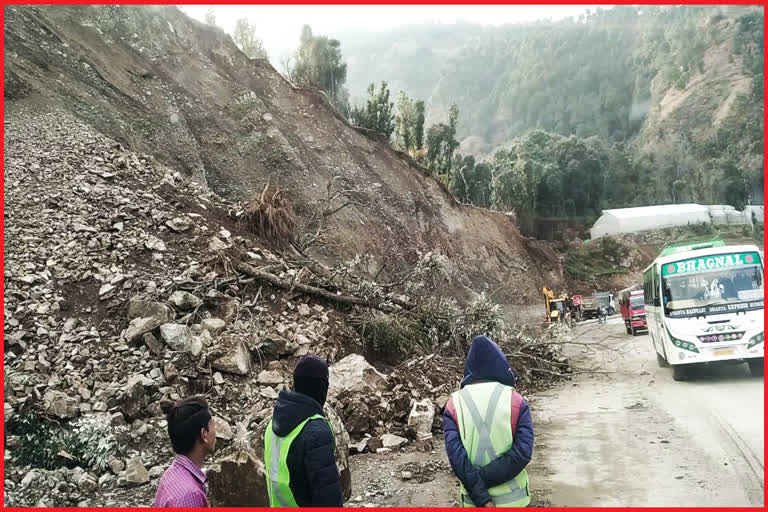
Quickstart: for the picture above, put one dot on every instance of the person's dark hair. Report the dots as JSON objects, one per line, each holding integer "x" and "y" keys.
{"x": 185, "y": 420}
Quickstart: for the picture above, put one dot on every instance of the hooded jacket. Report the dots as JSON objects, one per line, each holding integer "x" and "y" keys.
{"x": 311, "y": 459}
{"x": 486, "y": 362}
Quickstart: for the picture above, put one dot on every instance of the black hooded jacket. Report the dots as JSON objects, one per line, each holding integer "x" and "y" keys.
{"x": 311, "y": 458}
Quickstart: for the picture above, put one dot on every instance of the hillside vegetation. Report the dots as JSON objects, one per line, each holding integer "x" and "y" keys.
{"x": 667, "y": 100}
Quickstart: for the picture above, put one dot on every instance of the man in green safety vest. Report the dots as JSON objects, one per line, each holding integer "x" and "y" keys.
{"x": 488, "y": 431}
{"x": 299, "y": 447}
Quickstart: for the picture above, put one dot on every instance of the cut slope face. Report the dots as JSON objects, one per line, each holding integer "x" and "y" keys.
{"x": 181, "y": 91}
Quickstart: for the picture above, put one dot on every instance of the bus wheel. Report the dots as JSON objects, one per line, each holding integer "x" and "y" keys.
{"x": 629, "y": 329}
{"x": 679, "y": 372}
{"x": 755, "y": 367}
{"x": 662, "y": 362}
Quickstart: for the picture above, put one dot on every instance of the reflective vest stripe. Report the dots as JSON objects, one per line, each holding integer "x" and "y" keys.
{"x": 483, "y": 425}
{"x": 477, "y": 406}
{"x": 274, "y": 470}
{"x": 276, "y": 459}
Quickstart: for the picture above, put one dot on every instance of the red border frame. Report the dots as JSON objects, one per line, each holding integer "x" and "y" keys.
{"x": 356, "y": 2}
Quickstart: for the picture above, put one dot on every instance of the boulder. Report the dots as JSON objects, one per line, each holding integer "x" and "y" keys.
{"x": 196, "y": 345}
{"x": 60, "y": 404}
{"x": 156, "y": 471}
{"x": 185, "y": 300}
{"x": 353, "y": 373}
{"x": 140, "y": 308}
{"x": 270, "y": 377}
{"x": 276, "y": 345}
{"x": 304, "y": 310}
{"x": 216, "y": 245}
{"x": 155, "y": 244}
{"x": 133, "y": 401}
{"x": 117, "y": 419}
{"x": 87, "y": 482}
{"x": 268, "y": 393}
{"x": 179, "y": 224}
{"x": 223, "y": 430}
{"x": 213, "y": 325}
{"x": 176, "y": 336}
{"x": 358, "y": 418}
{"x": 236, "y": 358}
{"x": 238, "y": 480}
{"x": 155, "y": 346}
{"x": 135, "y": 474}
{"x": 116, "y": 465}
{"x": 141, "y": 326}
{"x": 421, "y": 417}
{"x": 392, "y": 441}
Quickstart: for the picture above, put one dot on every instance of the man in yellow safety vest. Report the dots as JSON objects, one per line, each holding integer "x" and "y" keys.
{"x": 488, "y": 431}
{"x": 299, "y": 445}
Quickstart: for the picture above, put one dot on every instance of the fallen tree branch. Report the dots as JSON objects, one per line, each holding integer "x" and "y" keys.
{"x": 318, "y": 292}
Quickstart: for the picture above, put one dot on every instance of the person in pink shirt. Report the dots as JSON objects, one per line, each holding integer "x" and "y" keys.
{"x": 193, "y": 438}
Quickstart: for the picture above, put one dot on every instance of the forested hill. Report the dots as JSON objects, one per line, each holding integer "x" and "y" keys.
{"x": 669, "y": 99}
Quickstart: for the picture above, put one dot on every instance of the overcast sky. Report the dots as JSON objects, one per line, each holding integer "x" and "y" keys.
{"x": 279, "y": 26}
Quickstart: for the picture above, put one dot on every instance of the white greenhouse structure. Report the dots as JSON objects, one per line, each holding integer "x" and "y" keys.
{"x": 646, "y": 218}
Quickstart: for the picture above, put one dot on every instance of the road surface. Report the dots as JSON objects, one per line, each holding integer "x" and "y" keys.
{"x": 630, "y": 436}
{"x": 638, "y": 438}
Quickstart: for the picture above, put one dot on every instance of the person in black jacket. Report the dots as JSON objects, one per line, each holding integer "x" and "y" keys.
{"x": 311, "y": 460}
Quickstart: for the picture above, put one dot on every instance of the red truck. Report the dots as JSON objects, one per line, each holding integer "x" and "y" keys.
{"x": 632, "y": 305}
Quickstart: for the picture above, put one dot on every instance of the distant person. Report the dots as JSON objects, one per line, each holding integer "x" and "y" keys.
{"x": 488, "y": 431}
{"x": 603, "y": 314}
{"x": 299, "y": 446}
{"x": 193, "y": 438}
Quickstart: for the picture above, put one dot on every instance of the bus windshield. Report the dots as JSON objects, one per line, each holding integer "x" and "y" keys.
{"x": 718, "y": 291}
{"x": 637, "y": 302}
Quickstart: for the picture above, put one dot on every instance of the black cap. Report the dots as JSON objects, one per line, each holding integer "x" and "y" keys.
{"x": 312, "y": 367}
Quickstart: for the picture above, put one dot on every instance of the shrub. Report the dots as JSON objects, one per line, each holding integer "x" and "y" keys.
{"x": 89, "y": 440}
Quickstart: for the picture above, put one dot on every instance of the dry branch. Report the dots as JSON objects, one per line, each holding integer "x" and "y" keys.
{"x": 318, "y": 292}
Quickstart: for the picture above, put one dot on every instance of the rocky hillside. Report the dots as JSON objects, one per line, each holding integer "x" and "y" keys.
{"x": 164, "y": 84}
{"x": 126, "y": 284}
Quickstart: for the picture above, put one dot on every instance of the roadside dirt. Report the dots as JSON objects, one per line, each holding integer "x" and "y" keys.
{"x": 630, "y": 436}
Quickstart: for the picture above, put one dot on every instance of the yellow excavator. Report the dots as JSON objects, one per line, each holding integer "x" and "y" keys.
{"x": 558, "y": 307}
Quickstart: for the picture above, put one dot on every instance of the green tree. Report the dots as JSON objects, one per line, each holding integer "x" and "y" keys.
{"x": 419, "y": 125}
{"x": 377, "y": 113}
{"x": 245, "y": 38}
{"x": 319, "y": 63}
{"x": 405, "y": 138}
{"x": 470, "y": 181}
{"x": 409, "y": 123}
{"x": 442, "y": 143}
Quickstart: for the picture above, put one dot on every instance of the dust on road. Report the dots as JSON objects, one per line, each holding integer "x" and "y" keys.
{"x": 638, "y": 438}
{"x": 630, "y": 436}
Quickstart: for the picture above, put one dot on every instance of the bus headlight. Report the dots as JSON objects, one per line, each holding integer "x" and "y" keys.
{"x": 755, "y": 340}
{"x": 685, "y": 345}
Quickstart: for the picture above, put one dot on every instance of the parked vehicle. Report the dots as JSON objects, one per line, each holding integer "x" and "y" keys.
{"x": 591, "y": 305}
{"x": 559, "y": 307}
{"x": 632, "y": 305}
{"x": 607, "y": 301}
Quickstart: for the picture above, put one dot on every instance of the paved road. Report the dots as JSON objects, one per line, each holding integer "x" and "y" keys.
{"x": 637, "y": 438}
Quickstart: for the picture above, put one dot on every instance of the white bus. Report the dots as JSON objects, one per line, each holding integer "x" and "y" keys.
{"x": 704, "y": 304}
